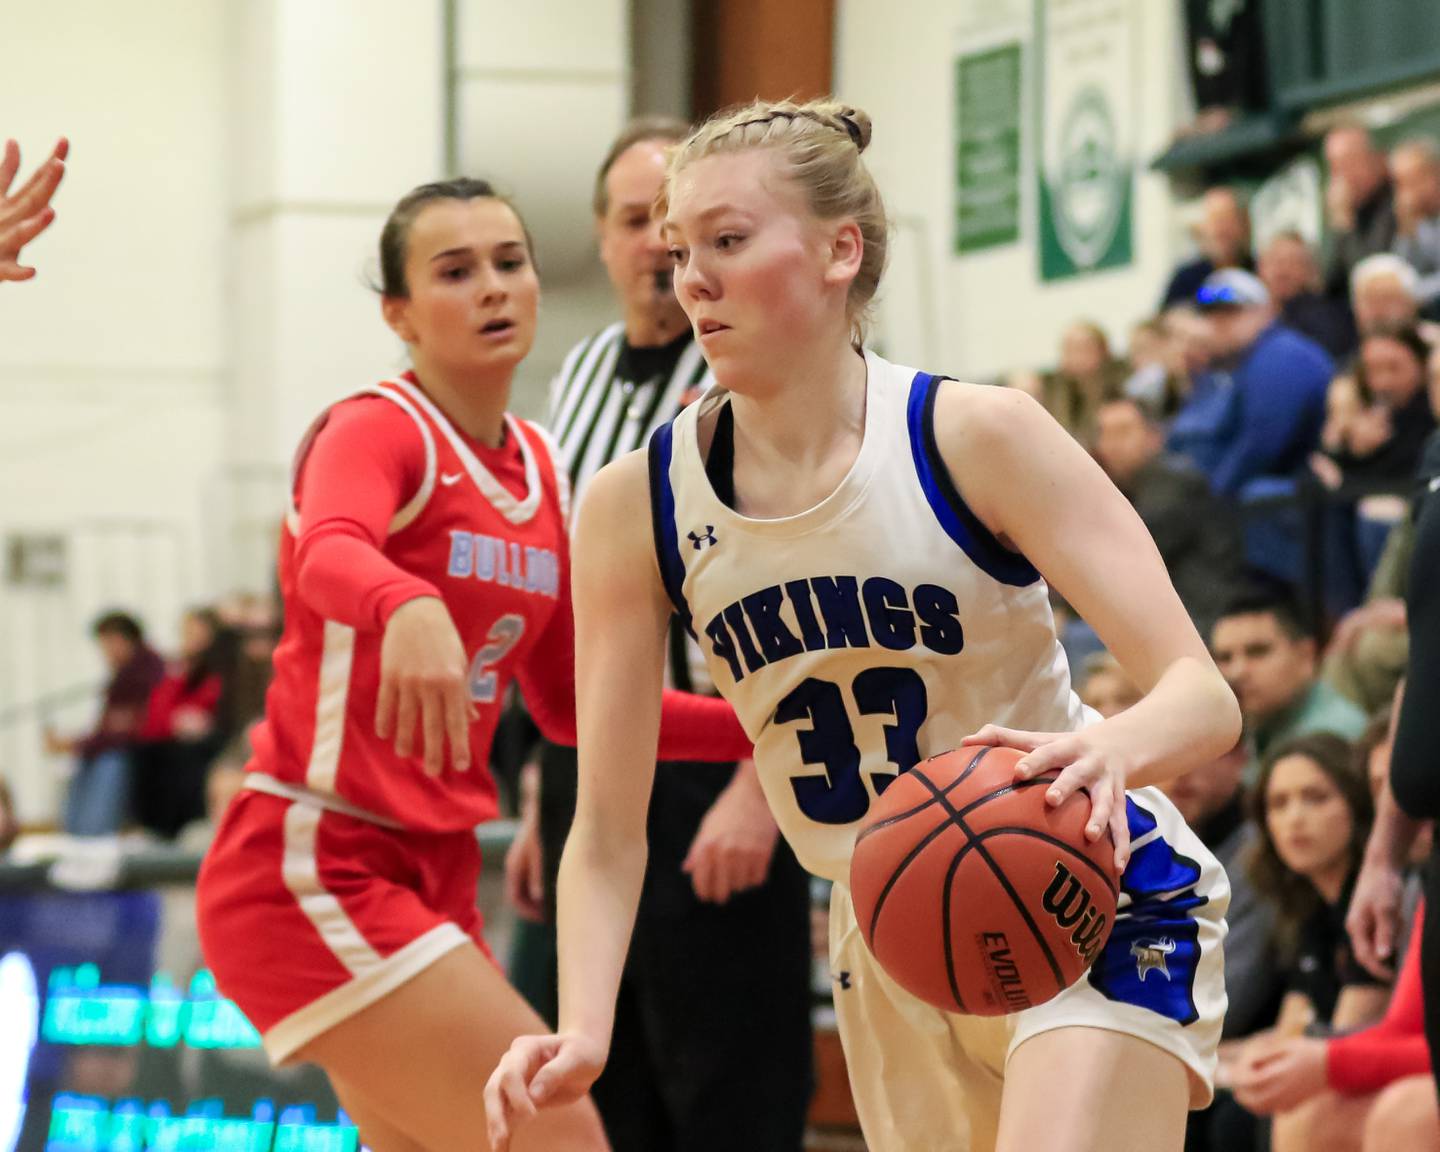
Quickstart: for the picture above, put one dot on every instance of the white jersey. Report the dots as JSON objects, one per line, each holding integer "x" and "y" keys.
{"x": 865, "y": 634}
{"x": 878, "y": 628}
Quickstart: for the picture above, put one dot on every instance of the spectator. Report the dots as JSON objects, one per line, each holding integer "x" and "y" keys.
{"x": 1415, "y": 174}
{"x": 1368, "y": 650}
{"x": 1197, "y": 536}
{"x": 1358, "y": 203}
{"x": 99, "y": 795}
{"x": 1223, "y": 237}
{"x": 1087, "y": 376}
{"x": 1104, "y": 685}
{"x": 1189, "y": 334}
{"x": 181, "y": 734}
{"x": 1158, "y": 378}
{"x": 1289, "y": 271}
{"x": 1225, "y": 50}
{"x": 1385, "y": 294}
{"x": 1312, "y": 807}
{"x": 27, "y": 212}
{"x": 1331, "y": 1092}
{"x": 1376, "y": 433}
{"x": 1259, "y": 413}
{"x": 1268, "y": 658}
{"x": 1373, "y": 441}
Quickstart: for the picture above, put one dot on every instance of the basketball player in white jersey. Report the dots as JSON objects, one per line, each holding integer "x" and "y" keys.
{"x": 858, "y": 546}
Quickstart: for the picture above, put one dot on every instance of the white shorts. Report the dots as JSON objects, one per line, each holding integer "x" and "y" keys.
{"x": 927, "y": 1079}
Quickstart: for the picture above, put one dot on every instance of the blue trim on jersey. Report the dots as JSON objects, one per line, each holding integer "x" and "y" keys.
{"x": 662, "y": 519}
{"x": 954, "y": 515}
{"x": 1153, "y": 952}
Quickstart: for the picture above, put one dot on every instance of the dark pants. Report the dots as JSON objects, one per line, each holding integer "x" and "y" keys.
{"x": 712, "y": 1043}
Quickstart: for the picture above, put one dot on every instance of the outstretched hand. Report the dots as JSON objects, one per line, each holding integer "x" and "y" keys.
{"x": 26, "y": 213}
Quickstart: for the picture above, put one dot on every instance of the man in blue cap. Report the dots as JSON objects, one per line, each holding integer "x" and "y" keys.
{"x": 1258, "y": 413}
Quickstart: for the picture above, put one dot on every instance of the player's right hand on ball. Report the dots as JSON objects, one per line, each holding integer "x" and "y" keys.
{"x": 423, "y": 674}
{"x": 538, "y": 1072}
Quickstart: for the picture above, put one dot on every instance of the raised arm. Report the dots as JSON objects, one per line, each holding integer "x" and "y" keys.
{"x": 1040, "y": 493}
{"x": 620, "y": 623}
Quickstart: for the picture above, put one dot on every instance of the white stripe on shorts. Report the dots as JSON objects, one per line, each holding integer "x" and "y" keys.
{"x": 301, "y": 872}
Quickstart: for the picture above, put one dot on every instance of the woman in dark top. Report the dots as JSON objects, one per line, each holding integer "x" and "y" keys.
{"x": 1313, "y": 807}
{"x": 1378, "y": 421}
{"x": 1382, "y": 442}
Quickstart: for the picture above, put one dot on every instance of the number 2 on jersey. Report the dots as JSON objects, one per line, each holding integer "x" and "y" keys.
{"x": 504, "y": 634}
{"x": 840, "y": 795}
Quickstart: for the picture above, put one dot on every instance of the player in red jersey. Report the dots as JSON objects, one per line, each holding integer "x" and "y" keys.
{"x": 424, "y": 564}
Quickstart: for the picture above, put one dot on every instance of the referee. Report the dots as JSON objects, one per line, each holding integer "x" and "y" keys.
{"x": 712, "y": 1044}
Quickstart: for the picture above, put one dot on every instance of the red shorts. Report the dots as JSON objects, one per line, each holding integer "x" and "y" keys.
{"x": 307, "y": 916}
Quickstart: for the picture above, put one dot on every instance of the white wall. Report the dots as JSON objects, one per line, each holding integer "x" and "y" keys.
{"x": 205, "y": 290}
{"x": 989, "y": 311}
{"x": 537, "y": 105}
{"x": 111, "y": 361}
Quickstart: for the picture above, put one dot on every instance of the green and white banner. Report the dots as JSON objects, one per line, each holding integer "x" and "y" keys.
{"x": 990, "y": 122}
{"x": 1086, "y": 102}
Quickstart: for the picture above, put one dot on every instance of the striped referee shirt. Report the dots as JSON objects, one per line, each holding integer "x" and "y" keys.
{"x": 609, "y": 397}
{"x": 607, "y": 400}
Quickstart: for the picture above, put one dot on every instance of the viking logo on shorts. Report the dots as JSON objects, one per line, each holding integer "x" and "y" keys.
{"x": 1069, "y": 903}
{"x": 700, "y": 539}
{"x": 1150, "y": 956}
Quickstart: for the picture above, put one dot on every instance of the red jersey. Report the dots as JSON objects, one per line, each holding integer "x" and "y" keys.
{"x": 452, "y": 530}
{"x": 389, "y": 502}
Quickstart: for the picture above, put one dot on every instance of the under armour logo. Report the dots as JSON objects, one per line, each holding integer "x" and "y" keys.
{"x": 1150, "y": 956}
{"x": 700, "y": 539}
{"x": 843, "y": 979}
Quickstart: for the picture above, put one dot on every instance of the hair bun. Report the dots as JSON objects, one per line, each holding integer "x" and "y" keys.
{"x": 856, "y": 123}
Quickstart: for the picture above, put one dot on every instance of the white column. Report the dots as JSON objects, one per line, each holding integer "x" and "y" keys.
{"x": 541, "y": 89}
{"x": 337, "y": 109}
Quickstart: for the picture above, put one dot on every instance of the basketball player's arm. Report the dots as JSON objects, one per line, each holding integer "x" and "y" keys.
{"x": 621, "y": 616}
{"x": 362, "y": 467}
{"x": 1038, "y": 491}
{"x": 27, "y": 212}
{"x": 698, "y": 728}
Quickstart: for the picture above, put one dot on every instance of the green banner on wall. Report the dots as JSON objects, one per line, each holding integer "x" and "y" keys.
{"x": 987, "y": 148}
{"x": 1085, "y": 197}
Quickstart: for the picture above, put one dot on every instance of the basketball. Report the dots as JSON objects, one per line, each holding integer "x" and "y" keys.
{"x": 976, "y": 895}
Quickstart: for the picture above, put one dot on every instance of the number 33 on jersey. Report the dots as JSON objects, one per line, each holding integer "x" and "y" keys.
{"x": 864, "y": 634}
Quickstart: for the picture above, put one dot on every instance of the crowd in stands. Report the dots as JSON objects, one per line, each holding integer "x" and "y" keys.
{"x": 166, "y": 726}
{"x": 1274, "y": 391}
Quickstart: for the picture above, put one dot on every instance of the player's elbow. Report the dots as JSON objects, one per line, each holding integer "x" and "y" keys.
{"x": 1222, "y": 710}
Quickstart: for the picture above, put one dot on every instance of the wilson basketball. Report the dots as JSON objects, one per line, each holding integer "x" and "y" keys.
{"x": 975, "y": 894}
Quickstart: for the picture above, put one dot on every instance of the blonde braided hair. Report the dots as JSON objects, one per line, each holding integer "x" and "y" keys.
{"x": 819, "y": 143}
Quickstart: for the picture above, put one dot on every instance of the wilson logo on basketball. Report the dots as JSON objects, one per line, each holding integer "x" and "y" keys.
{"x": 1068, "y": 901}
